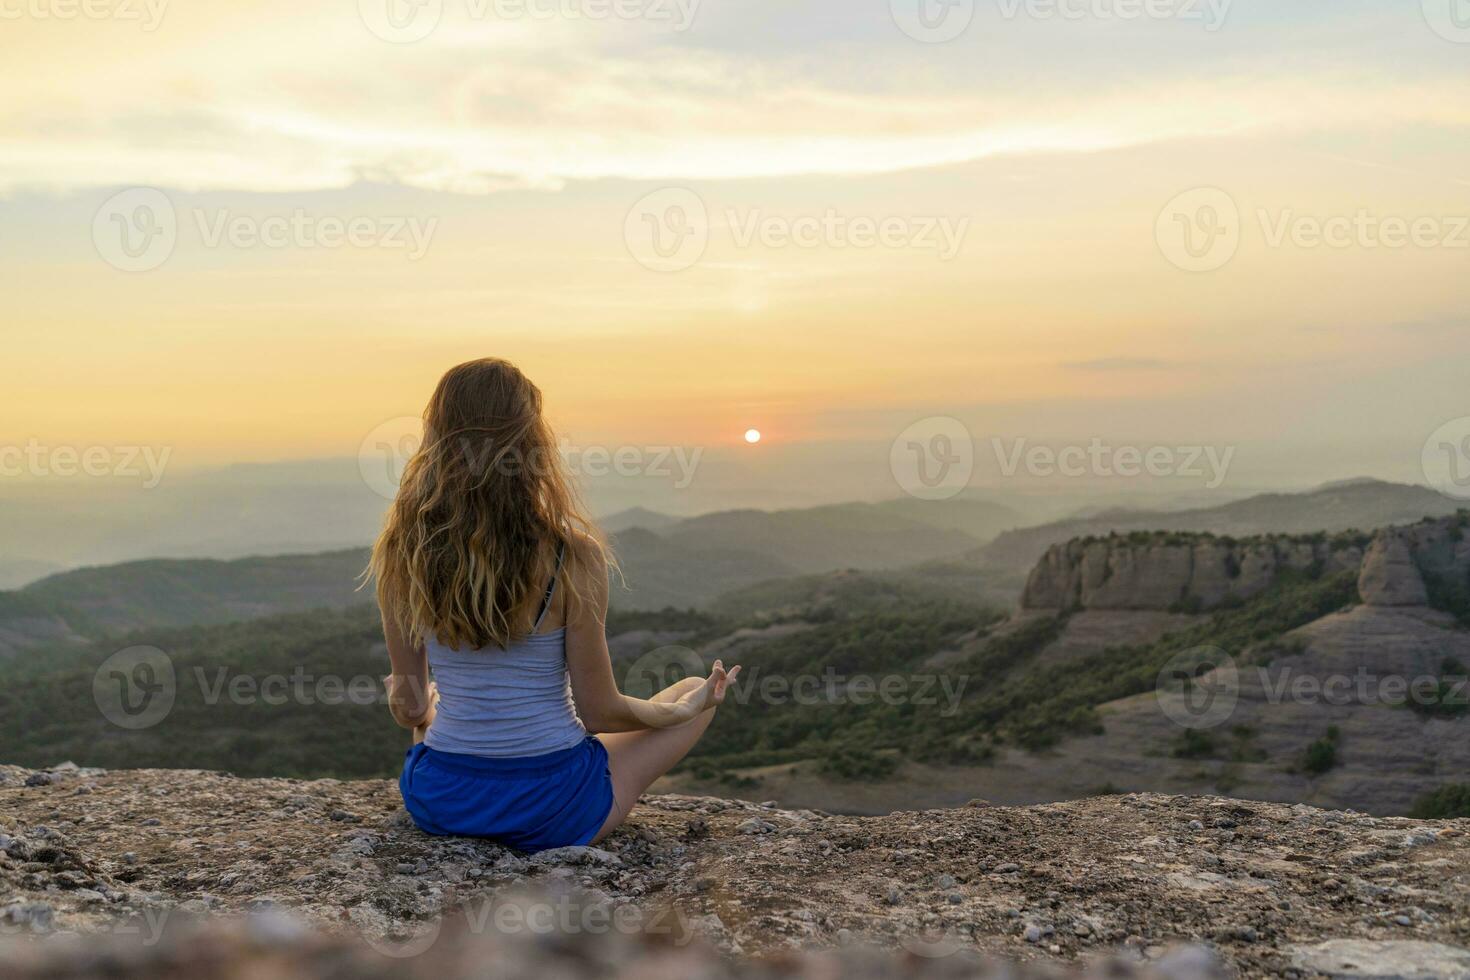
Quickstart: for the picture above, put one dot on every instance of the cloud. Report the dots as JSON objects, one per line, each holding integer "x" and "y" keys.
{"x": 266, "y": 97}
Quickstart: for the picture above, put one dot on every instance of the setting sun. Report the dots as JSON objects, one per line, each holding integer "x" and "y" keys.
{"x": 752, "y": 436}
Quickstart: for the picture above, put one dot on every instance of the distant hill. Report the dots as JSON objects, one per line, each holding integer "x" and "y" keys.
{"x": 1361, "y": 505}
{"x": 88, "y": 603}
{"x": 649, "y": 520}
{"x": 666, "y": 562}
{"x": 977, "y": 518}
{"x": 687, "y": 563}
{"x": 19, "y": 572}
{"x": 658, "y": 572}
{"x": 811, "y": 597}
{"x": 885, "y": 535}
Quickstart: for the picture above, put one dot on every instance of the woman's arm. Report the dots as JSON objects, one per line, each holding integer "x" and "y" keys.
{"x": 411, "y": 696}
{"x": 600, "y": 705}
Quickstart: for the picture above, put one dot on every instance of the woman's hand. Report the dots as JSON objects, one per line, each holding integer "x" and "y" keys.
{"x": 405, "y": 701}
{"x": 710, "y": 694}
{"x": 680, "y": 703}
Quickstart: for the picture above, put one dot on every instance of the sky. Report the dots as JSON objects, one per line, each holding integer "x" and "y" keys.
{"x": 255, "y": 231}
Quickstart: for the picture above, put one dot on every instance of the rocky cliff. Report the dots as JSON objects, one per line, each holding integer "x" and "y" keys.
{"x": 341, "y": 884}
{"x": 1402, "y": 562}
{"x": 1380, "y": 680}
{"x": 1199, "y": 572}
{"x": 1171, "y": 571}
{"x": 1335, "y": 508}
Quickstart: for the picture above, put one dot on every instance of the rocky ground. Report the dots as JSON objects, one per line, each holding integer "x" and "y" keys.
{"x": 1267, "y": 889}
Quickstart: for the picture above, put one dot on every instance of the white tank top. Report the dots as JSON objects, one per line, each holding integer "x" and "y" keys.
{"x": 504, "y": 703}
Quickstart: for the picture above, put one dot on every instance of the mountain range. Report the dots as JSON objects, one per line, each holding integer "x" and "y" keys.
{"x": 687, "y": 563}
{"x": 1054, "y": 695}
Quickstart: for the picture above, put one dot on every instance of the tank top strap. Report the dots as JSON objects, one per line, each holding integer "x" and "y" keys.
{"x": 561, "y": 554}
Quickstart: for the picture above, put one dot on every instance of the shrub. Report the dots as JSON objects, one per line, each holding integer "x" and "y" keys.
{"x": 1244, "y": 748}
{"x": 854, "y": 764}
{"x": 1445, "y": 803}
{"x": 1447, "y": 700}
{"x": 1448, "y": 593}
{"x": 1321, "y": 755}
{"x": 1194, "y": 744}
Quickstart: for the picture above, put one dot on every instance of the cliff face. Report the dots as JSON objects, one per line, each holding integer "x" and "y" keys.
{"x": 1253, "y": 889}
{"x": 1399, "y": 559}
{"x": 1171, "y": 572}
{"x": 1201, "y": 572}
{"x": 1382, "y": 676}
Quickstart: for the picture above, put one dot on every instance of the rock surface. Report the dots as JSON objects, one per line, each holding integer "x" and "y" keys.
{"x": 1389, "y": 576}
{"x": 1258, "y": 885}
{"x": 1406, "y": 959}
{"x": 1179, "y": 572}
{"x": 1196, "y": 572}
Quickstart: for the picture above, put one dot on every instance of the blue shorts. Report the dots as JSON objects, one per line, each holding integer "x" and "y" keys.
{"x": 531, "y": 803}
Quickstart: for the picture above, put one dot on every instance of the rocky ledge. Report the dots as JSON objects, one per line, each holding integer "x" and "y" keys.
{"x": 150, "y": 861}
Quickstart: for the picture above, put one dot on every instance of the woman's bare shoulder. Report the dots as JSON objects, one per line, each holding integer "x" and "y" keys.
{"x": 587, "y": 564}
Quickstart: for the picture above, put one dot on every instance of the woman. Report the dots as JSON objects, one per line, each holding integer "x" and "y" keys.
{"x": 490, "y": 576}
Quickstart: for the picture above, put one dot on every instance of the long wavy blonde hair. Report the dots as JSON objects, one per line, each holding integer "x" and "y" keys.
{"x": 482, "y": 511}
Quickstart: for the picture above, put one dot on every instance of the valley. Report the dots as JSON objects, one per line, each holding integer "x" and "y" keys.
{"x": 870, "y": 686}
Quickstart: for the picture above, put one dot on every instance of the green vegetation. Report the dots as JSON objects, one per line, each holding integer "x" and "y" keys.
{"x": 1039, "y": 707}
{"x": 165, "y": 592}
{"x": 336, "y": 726}
{"x": 1185, "y": 539}
{"x": 1448, "y": 802}
{"x": 1449, "y": 699}
{"x": 852, "y": 683}
{"x": 857, "y": 689}
{"x": 1203, "y": 744}
{"x": 833, "y": 596}
{"x": 667, "y": 619}
{"x": 1243, "y": 747}
{"x": 1194, "y": 743}
{"x": 1321, "y": 755}
{"x": 1004, "y": 696}
{"x": 851, "y": 764}
{"x": 1290, "y": 646}
{"x": 1448, "y": 593}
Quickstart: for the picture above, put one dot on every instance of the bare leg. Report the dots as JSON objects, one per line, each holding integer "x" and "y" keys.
{"x": 637, "y": 759}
